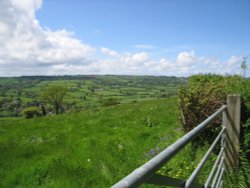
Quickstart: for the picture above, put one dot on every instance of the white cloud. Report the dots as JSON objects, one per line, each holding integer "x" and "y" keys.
{"x": 26, "y": 48}
{"x": 109, "y": 52}
{"x": 186, "y": 58}
{"x": 27, "y": 6}
{"x": 140, "y": 57}
{"x": 64, "y": 48}
{"x": 25, "y": 45}
{"x": 3, "y": 28}
{"x": 233, "y": 65}
{"x": 234, "y": 60}
{"x": 120, "y": 63}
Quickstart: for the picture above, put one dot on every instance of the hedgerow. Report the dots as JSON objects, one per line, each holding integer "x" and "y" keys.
{"x": 204, "y": 94}
{"x": 201, "y": 97}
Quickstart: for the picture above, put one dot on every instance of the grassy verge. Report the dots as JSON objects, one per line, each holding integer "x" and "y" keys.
{"x": 94, "y": 148}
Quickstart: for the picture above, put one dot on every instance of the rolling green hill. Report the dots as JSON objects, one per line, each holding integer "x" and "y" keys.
{"x": 93, "y": 148}
{"x": 95, "y": 145}
{"x": 84, "y": 91}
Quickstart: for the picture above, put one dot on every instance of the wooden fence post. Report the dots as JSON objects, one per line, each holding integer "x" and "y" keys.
{"x": 233, "y": 130}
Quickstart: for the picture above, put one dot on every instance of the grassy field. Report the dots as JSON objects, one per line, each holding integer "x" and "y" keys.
{"x": 83, "y": 91}
{"x": 99, "y": 145}
{"x": 86, "y": 149}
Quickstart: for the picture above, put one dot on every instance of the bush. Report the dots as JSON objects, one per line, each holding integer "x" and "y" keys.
{"x": 31, "y": 112}
{"x": 200, "y": 98}
{"x": 204, "y": 94}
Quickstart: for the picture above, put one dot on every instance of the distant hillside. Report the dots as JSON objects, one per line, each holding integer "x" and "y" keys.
{"x": 84, "y": 91}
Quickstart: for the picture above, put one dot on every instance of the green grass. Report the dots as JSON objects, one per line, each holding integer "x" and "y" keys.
{"x": 92, "y": 89}
{"x": 239, "y": 177}
{"x": 93, "y": 148}
{"x": 7, "y": 80}
{"x": 97, "y": 147}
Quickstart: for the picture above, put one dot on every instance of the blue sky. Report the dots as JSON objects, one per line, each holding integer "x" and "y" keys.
{"x": 159, "y": 37}
{"x": 212, "y": 27}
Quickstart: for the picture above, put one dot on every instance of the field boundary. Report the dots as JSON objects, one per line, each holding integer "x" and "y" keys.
{"x": 228, "y": 156}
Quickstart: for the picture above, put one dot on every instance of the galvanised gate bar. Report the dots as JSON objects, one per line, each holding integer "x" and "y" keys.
{"x": 228, "y": 155}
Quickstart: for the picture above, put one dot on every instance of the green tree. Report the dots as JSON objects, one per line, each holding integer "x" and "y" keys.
{"x": 54, "y": 95}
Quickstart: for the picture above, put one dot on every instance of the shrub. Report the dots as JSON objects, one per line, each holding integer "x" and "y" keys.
{"x": 200, "y": 98}
{"x": 31, "y": 112}
{"x": 204, "y": 94}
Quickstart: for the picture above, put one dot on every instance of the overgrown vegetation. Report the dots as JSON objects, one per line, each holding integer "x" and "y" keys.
{"x": 200, "y": 98}
{"x": 203, "y": 95}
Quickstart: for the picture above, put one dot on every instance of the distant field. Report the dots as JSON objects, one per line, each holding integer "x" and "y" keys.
{"x": 84, "y": 91}
{"x": 7, "y": 80}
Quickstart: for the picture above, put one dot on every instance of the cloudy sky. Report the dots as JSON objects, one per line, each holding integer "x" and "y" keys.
{"x": 143, "y": 37}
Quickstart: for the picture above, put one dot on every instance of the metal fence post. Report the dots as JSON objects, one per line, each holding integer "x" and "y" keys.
{"x": 233, "y": 130}
{"x": 224, "y": 136}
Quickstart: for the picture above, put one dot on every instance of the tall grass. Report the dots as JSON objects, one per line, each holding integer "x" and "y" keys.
{"x": 98, "y": 147}
{"x": 93, "y": 148}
